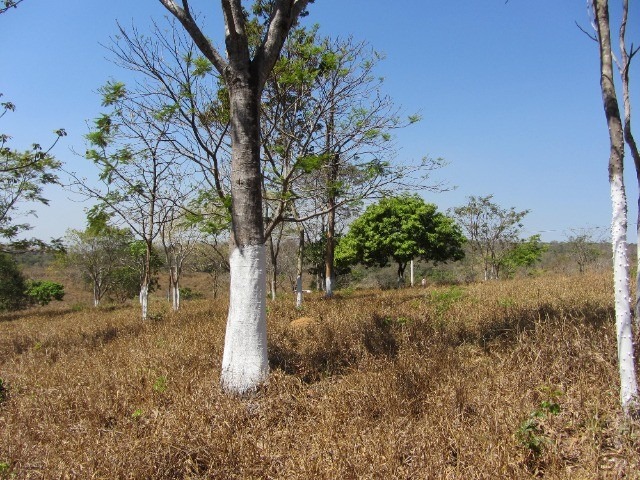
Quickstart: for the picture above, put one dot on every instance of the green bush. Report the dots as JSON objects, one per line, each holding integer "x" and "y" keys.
{"x": 12, "y": 285}
{"x": 187, "y": 294}
{"x": 43, "y": 292}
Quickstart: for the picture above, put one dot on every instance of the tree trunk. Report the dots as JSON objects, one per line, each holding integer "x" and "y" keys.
{"x": 629, "y": 138}
{"x": 412, "y": 278}
{"x": 401, "y": 269}
{"x": 244, "y": 361}
{"x": 274, "y": 268}
{"x": 299, "y": 268}
{"x": 628, "y": 385}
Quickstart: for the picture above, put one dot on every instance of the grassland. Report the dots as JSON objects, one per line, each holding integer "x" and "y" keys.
{"x": 501, "y": 380}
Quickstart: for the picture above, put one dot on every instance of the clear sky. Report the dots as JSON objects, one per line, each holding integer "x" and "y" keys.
{"x": 509, "y": 94}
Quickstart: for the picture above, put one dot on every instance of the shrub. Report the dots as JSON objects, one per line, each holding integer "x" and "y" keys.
{"x": 43, "y": 292}
{"x": 12, "y": 284}
{"x": 187, "y": 294}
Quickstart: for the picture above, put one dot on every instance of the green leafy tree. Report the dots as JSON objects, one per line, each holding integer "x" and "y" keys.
{"x": 402, "y": 228}
{"x": 23, "y": 175}
{"x": 524, "y": 254}
{"x": 12, "y": 284}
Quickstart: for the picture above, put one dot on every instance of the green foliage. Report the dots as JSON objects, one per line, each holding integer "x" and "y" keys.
{"x": 401, "y": 228}
{"x": 160, "y": 385}
{"x": 22, "y": 178}
{"x": 12, "y": 285}
{"x": 44, "y": 292}
{"x": 443, "y": 300}
{"x": 531, "y": 433}
{"x": 187, "y": 293}
{"x": 523, "y": 254}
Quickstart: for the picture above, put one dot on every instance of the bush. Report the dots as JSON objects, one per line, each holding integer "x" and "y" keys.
{"x": 187, "y": 294}
{"x": 12, "y": 285}
{"x": 43, "y": 292}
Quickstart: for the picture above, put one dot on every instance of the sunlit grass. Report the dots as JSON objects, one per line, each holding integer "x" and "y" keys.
{"x": 499, "y": 380}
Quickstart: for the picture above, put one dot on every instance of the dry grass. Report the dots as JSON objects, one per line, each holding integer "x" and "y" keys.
{"x": 417, "y": 384}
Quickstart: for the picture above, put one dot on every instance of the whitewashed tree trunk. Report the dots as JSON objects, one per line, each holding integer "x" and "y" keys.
{"x": 144, "y": 301}
{"x": 412, "y": 273}
{"x": 244, "y": 363}
{"x": 622, "y": 297}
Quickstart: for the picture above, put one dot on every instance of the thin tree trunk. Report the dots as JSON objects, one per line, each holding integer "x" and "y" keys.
{"x": 329, "y": 257}
{"x": 628, "y": 135}
{"x": 299, "y": 294}
{"x": 412, "y": 279}
{"x": 628, "y": 385}
{"x": 274, "y": 268}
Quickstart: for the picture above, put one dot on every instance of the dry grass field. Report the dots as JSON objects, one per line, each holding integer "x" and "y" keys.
{"x": 507, "y": 380}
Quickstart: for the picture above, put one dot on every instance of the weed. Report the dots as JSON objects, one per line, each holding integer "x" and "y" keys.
{"x": 160, "y": 385}
{"x": 531, "y": 432}
{"x": 5, "y": 471}
{"x": 137, "y": 413}
{"x": 4, "y": 391}
{"x": 444, "y": 300}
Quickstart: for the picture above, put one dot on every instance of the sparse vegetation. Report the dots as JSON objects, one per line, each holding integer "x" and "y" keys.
{"x": 417, "y": 383}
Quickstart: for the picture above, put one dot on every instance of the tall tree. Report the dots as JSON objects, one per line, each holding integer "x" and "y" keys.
{"x": 244, "y": 71}
{"x": 628, "y": 384}
{"x": 402, "y": 228}
{"x": 141, "y": 181}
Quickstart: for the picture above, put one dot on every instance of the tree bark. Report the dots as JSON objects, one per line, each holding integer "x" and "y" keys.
{"x": 244, "y": 361}
{"x": 299, "y": 293}
{"x": 628, "y": 384}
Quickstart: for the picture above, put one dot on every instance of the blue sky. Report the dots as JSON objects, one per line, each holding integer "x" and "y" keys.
{"x": 509, "y": 94}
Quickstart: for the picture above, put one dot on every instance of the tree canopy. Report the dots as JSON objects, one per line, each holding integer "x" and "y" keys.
{"x": 402, "y": 228}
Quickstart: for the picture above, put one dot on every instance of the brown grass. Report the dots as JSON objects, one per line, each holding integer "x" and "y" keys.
{"x": 410, "y": 384}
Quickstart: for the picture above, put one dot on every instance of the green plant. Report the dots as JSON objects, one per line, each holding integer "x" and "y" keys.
{"x": 531, "y": 432}
{"x": 187, "y": 293}
{"x": 160, "y": 385}
{"x": 137, "y": 413}
{"x": 43, "y": 292}
{"x": 5, "y": 470}
{"x": 443, "y": 300}
{"x": 12, "y": 284}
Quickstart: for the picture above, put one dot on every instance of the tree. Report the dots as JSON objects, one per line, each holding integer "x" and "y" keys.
{"x": 244, "y": 71}
{"x": 491, "y": 230}
{"x": 141, "y": 180}
{"x": 8, "y": 4}
{"x": 524, "y": 254}
{"x": 628, "y": 385}
{"x": 583, "y": 248}
{"x": 402, "y": 228}
{"x": 22, "y": 178}
{"x": 99, "y": 252}
{"x": 12, "y": 284}
{"x": 179, "y": 240}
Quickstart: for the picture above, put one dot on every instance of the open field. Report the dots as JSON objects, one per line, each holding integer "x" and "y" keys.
{"x": 503, "y": 380}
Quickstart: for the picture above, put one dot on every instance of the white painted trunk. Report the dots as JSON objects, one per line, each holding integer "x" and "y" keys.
{"x": 328, "y": 283}
{"x": 412, "y": 273}
{"x": 244, "y": 361}
{"x": 175, "y": 297}
{"x": 628, "y": 384}
{"x": 299, "y": 291}
{"x": 144, "y": 300}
